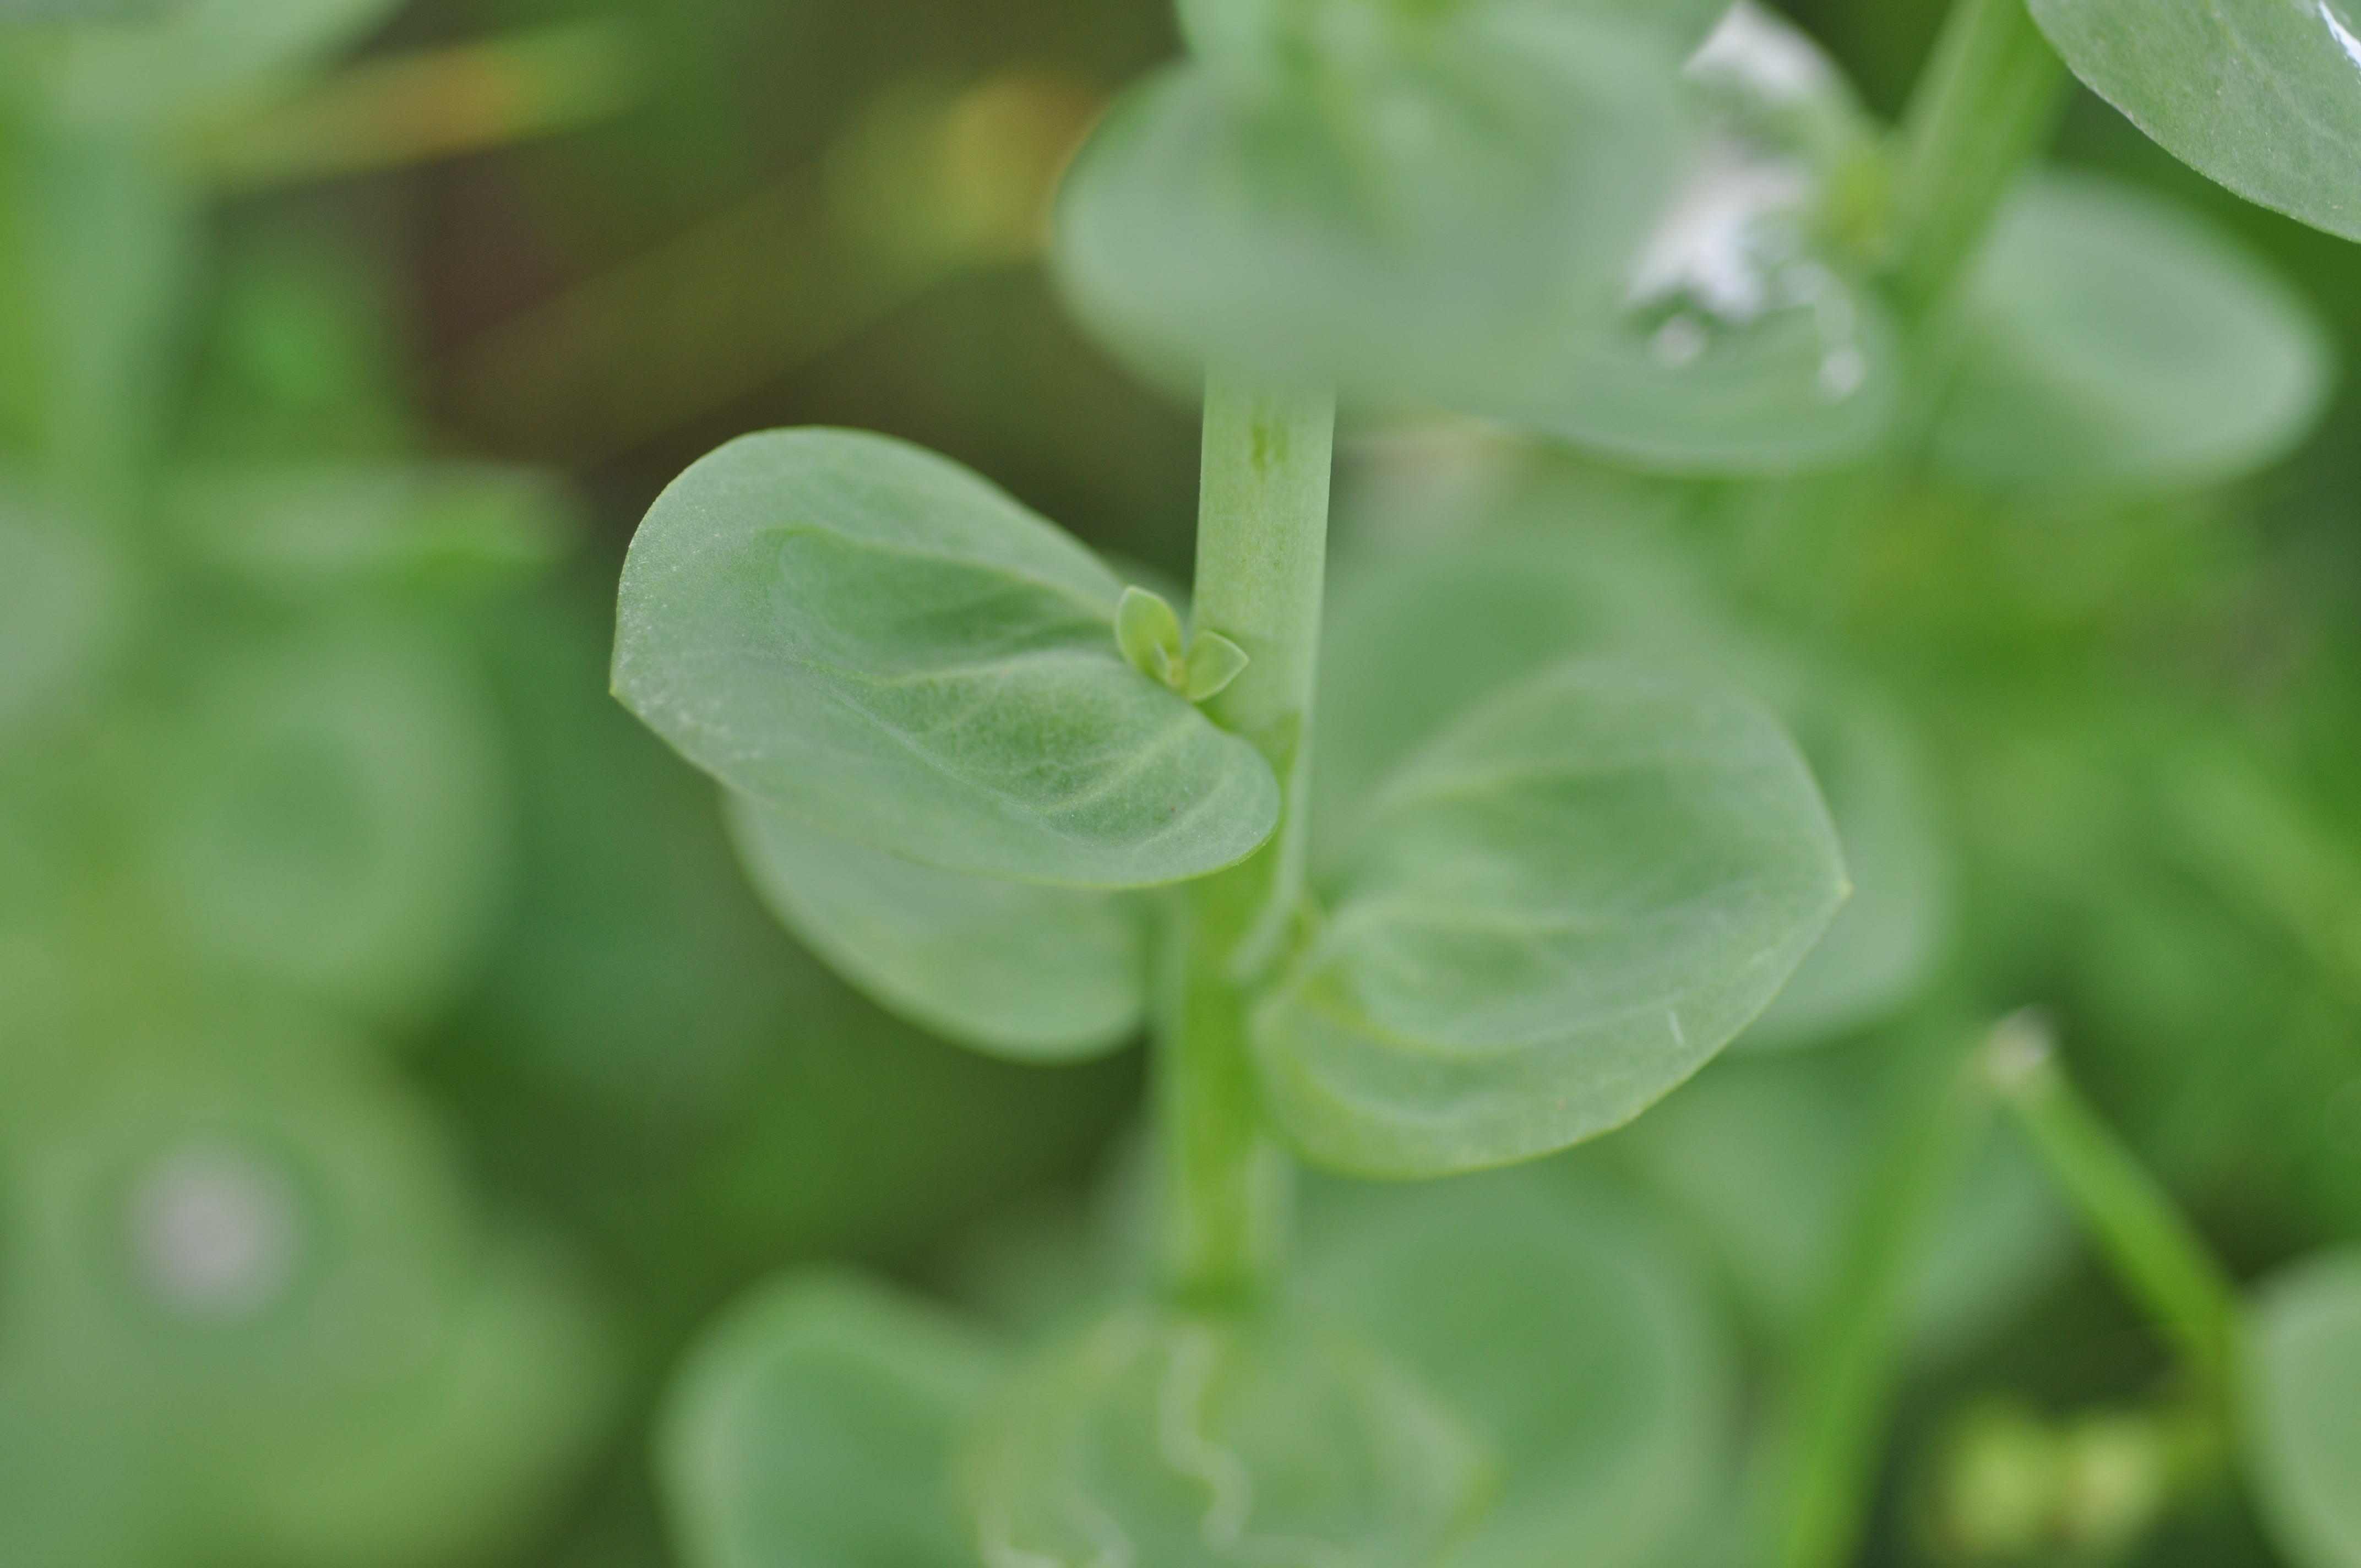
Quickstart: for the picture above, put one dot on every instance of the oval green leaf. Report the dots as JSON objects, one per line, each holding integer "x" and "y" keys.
{"x": 1568, "y": 1330}
{"x": 2303, "y": 1410}
{"x": 1743, "y": 339}
{"x": 816, "y": 1428}
{"x": 1558, "y": 911}
{"x": 1390, "y": 224}
{"x": 2263, "y": 96}
{"x": 1424, "y": 637}
{"x": 1216, "y": 1441}
{"x": 867, "y": 636}
{"x": 2110, "y": 338}
{"x": 1014, "y": 969}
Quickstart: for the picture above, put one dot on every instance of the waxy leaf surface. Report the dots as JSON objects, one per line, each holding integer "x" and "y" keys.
{"x": 1424, "y": 637}
{"x": 2108, "y": 338}
{"x": 1216, "y": 1441}
{"x": 1567, "y": 1330}
{"x": 2262, "y": 95}
{"x": 1391, "y": 224}
{"x": 1741, "y": 338}
{"x": 1556, "y": 912}
{"x": 817, "y": 1429}
{"x": 2303, "y": 1410}
{"x": 1015, "y": 969}
{"x": 870, "y": 637}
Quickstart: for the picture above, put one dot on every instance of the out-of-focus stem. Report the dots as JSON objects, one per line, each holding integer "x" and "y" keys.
{"x": 1823, "y": 1460}
{"x": 1987, "y": 104}
{"x": 389, "y": 112}
{"x": 2153, "y": 1250}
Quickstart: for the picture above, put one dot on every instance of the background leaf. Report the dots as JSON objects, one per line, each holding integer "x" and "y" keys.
{"x": 1186, "y": 1441}
{"x": 1036, "y": 973}
{"x": 2108, "y": 338}
{"x": 1559, "y": 911}
{"x": 1741, "y": 339}
{"x": 867, "y": 636}
{"x": 1568, "y": 1332}
{"x": 1887, "y": 941}
{"x": 2303, "y": 1410}
{"x": 815, "y": 1428}
{"x": 336, "y": 818}
{"x": 2262, "y": 95}
{"x": 1392, "y": 224}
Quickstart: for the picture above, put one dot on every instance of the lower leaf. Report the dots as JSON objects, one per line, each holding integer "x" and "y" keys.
{"x": 1564, "y": 907}
{"x": 814, "y": 1430}
{"x": 1018, "y": 970}
{"x": 1191, "y": 1440}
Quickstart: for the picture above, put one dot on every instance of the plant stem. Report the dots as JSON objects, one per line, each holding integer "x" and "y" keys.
{"x": 2155, "y": 1252}
{"x": 1987, "y": 104}
{"x": 1825, "y": 1466}
{"x": 1261, "y": 561}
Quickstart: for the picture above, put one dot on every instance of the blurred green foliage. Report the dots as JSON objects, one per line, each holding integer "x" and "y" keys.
{"x": 396, "y": 1069}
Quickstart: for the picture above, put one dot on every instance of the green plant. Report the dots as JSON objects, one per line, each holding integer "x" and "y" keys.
{"x": 1501, "y": 862}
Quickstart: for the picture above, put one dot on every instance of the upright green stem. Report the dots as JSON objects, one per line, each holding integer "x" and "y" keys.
{"x": 2153, "y": 1250}
{"x": 1823, "y": 1465}
{"x": 1261, "y": 560}
{"x": 1987, "y": 104}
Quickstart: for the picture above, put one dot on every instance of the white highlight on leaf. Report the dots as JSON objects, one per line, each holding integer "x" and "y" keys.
{"x": 1729, "y": 252}
{"x": 1710, "y": 244}
{"x": 1755, "y": 50}
{"x": 2344, "y": 35}
{"x": 215, "y": 1231}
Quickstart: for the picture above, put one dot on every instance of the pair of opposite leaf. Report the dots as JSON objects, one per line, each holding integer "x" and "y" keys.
{"x": 1699, "y": 291}
{"x": 243, "y": 1302}
{"x": 1482, "y": 1373}
{"x": 948, "y": 776}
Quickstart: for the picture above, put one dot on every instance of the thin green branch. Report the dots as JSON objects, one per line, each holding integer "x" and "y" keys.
{"x": 1987, "y": 104}
{"x": 2153, "y": 1250}
{"x": 1824, "y": 1462}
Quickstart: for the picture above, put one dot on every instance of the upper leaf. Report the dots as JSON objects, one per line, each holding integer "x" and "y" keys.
{"x": 2303, "y": 1410}
{"x": 2110, "y": 338}
{"x": 1557, "y": 912}
{"x": 1189, "y": 1441}
{"x": 1036, "y": 974}
{"x": 1742, "y": 338}
{"x": 1390, "y": 215}
{"x": 816, "y": 1428}
{"x": 1571, "y": 1333}
{"x": 870, "y": 637}
{"x": 2262, "y": 95}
